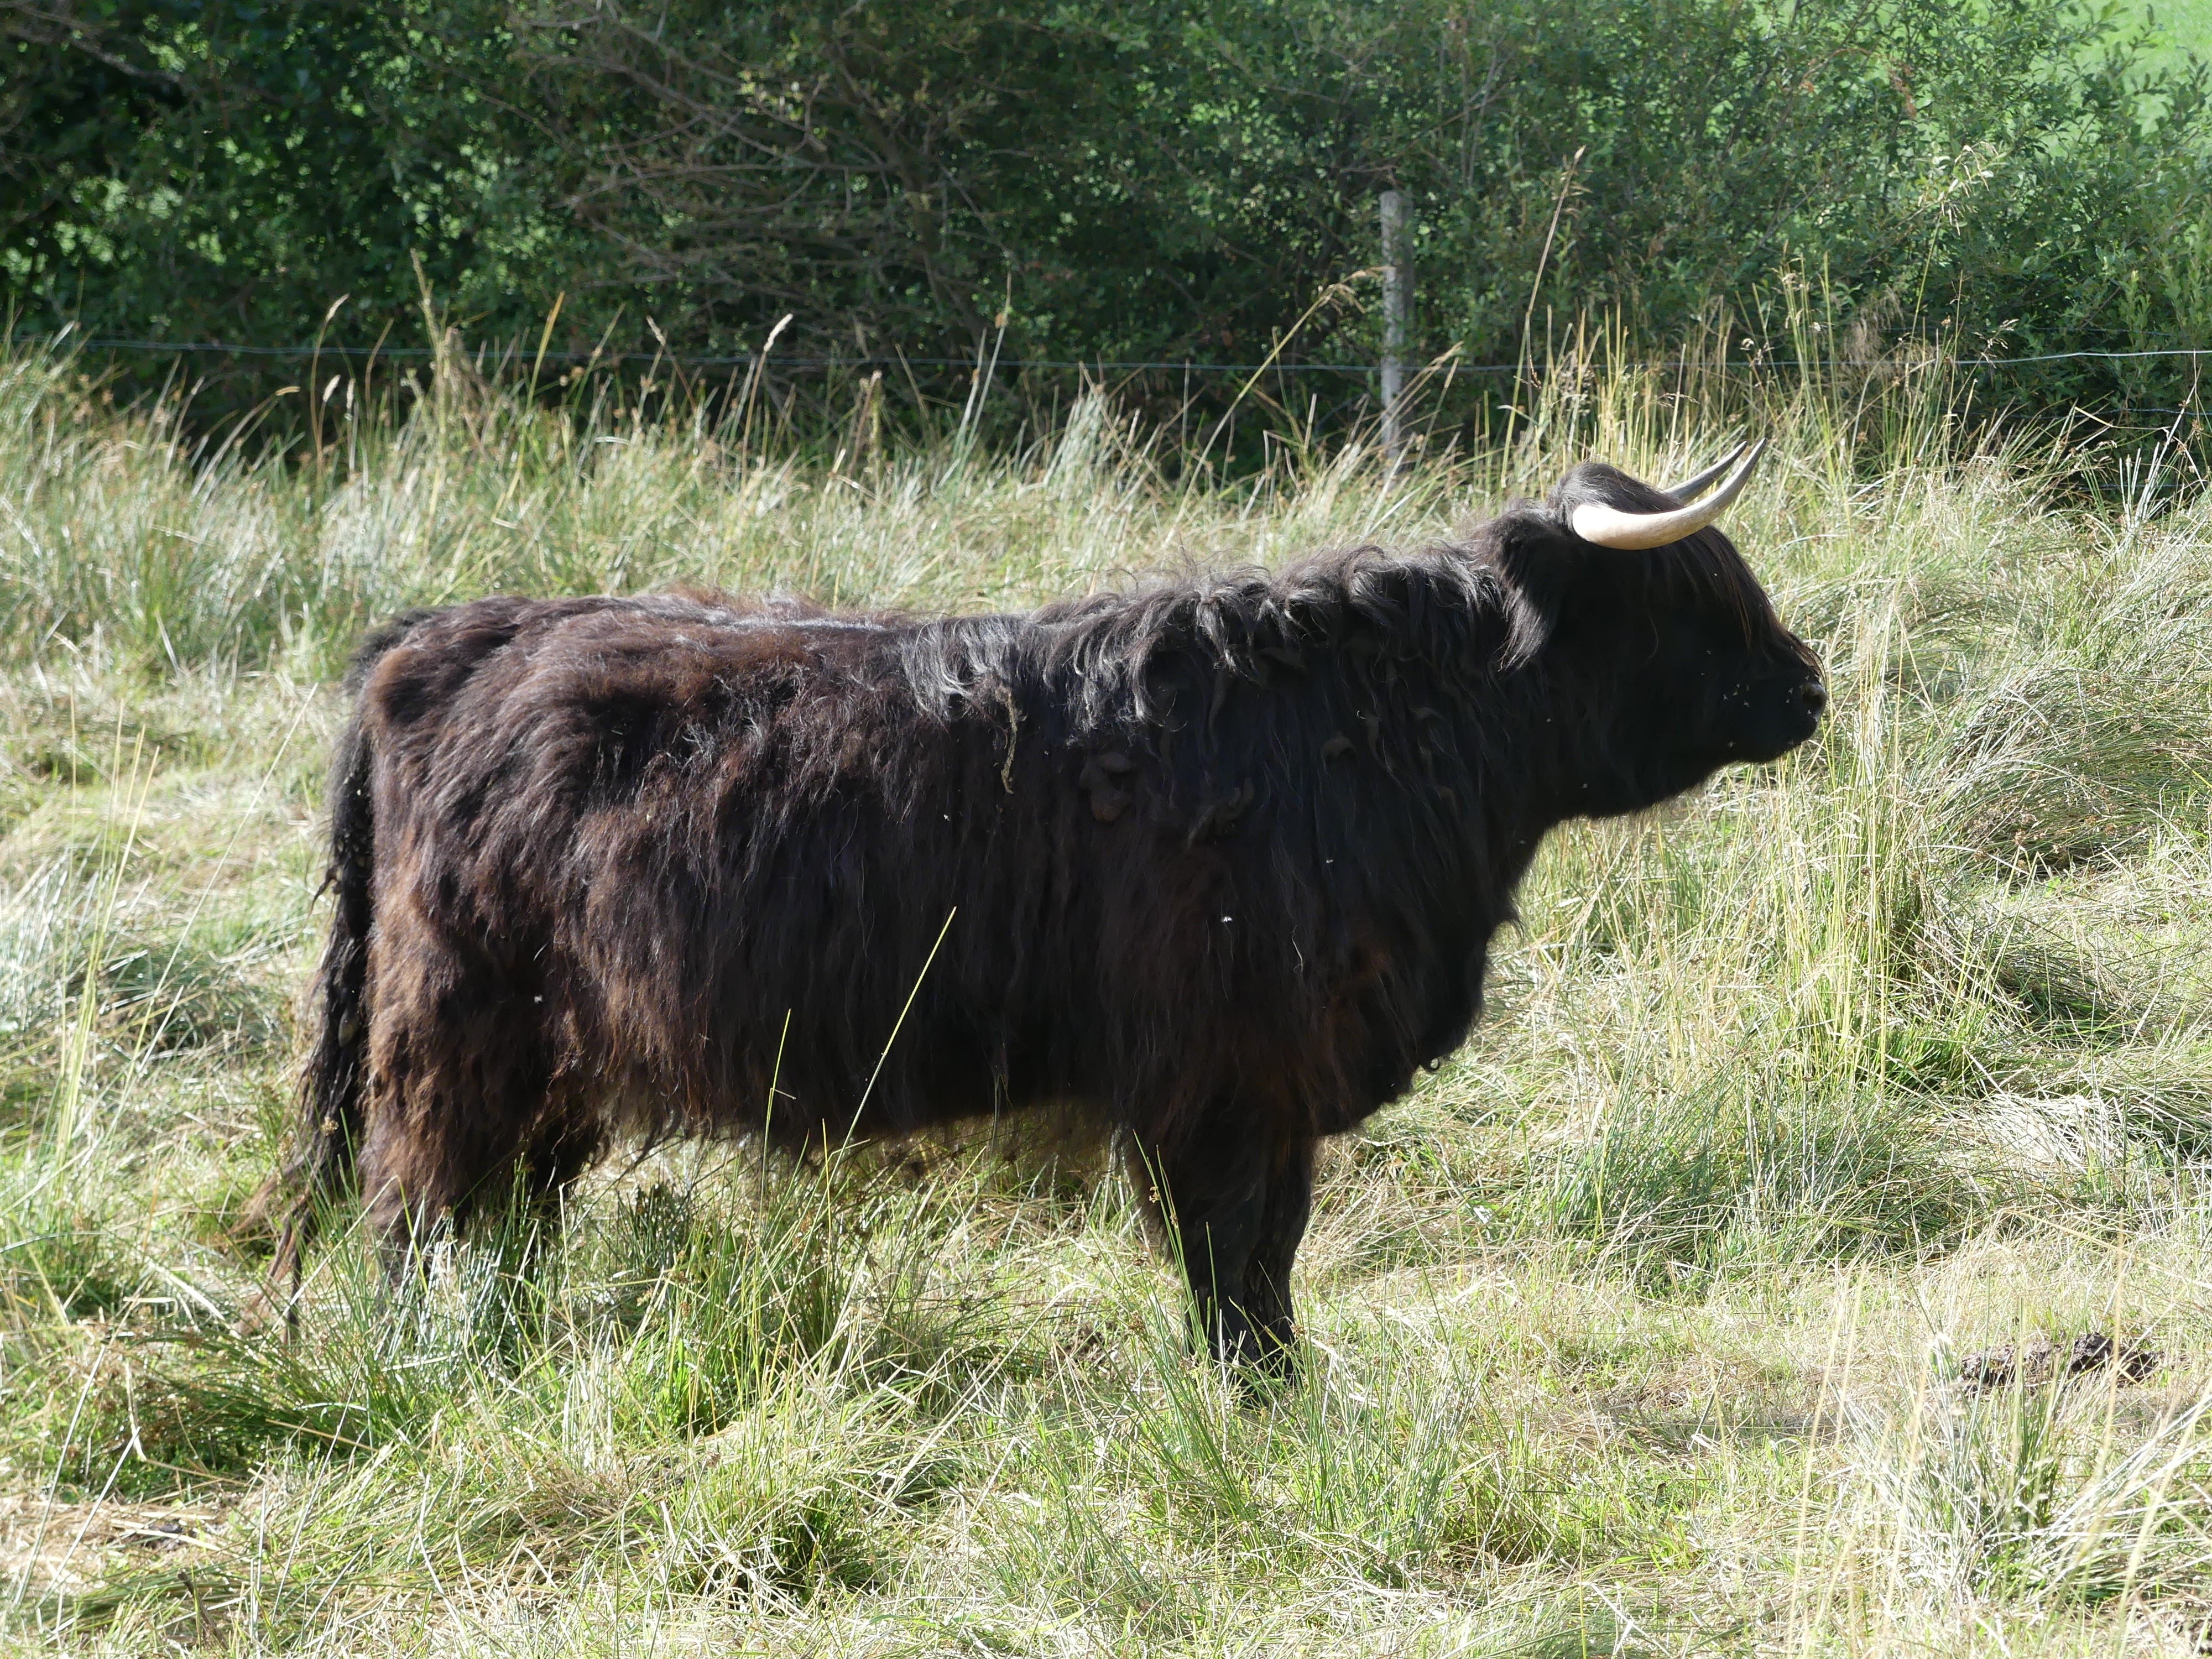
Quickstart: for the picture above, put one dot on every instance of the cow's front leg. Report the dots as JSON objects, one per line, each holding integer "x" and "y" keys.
{"x": 1266, "y": 1291}
{"x": 1237, "y": 1203}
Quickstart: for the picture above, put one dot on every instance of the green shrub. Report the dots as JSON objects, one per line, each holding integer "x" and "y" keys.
{"x": 1105, "y": 180}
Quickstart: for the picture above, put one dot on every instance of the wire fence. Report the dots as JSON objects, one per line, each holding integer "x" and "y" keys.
{"x": 985, "y": 367}
{"x": 1193, "y": 366}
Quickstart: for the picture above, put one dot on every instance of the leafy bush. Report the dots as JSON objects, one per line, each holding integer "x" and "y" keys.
{"x": 1105, "y": 178}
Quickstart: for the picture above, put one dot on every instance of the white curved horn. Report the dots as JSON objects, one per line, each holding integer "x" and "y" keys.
{"x": 1686, "y": 491}
{"x": 1608, "y": 526}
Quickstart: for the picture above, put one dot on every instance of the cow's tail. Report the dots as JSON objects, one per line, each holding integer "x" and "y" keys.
{"x": 317, "y": 1162}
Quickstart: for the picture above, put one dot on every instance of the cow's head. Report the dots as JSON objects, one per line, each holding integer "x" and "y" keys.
{"x": 1657, "y": 649}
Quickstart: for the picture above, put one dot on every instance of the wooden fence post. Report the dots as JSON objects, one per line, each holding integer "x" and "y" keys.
{"x": 1397, "y": 301}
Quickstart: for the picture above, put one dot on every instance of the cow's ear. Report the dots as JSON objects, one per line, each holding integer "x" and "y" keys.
{"x": 1539, "y": 566}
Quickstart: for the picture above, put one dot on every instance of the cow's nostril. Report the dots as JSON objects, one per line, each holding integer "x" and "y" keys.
{"x": 1814, "y": 696}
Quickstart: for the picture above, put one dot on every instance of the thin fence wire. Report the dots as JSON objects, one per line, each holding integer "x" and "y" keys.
{"x": 328, "y": 349}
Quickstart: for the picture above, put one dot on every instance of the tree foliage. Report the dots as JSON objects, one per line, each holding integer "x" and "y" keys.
{"x": 1150, "y": 179}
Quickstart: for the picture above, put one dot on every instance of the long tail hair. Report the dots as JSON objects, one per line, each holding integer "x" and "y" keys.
{"x": 318, "y": 1162}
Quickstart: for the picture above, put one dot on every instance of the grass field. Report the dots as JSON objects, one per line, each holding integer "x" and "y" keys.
{"x": 1637, "y": 1330}
{"x": 2181, "y": 29}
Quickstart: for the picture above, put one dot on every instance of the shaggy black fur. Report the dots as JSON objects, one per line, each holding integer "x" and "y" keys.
{"x": 1215, "y": 861}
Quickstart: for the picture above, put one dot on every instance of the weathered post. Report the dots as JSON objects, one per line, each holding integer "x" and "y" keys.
{"x": 1397, "y": 300}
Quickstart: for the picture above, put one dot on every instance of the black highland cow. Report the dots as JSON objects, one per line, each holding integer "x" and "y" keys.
{"x": 1214, "y": 862}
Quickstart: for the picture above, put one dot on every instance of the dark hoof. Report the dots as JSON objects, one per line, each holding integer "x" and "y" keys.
{"x": 1265, "y": 1364}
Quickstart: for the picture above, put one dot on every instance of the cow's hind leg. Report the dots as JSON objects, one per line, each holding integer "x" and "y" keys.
{"x": 458, "y": 1076}
{"x": 559, "y": 1146}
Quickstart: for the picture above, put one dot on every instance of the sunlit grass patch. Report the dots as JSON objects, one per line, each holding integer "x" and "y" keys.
{"x": 2043, "y": 1495}
{"x": 1630, "y": 1331}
